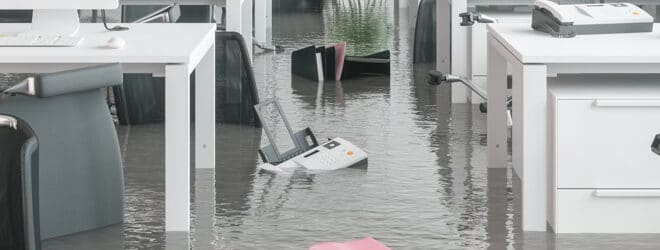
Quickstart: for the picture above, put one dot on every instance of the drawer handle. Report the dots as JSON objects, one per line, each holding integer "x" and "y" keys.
{"x": 627, "y": 193}
{"x": 628, "y": 103}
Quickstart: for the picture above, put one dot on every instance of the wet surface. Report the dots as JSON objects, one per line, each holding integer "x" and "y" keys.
{"x": 426, "y": 186}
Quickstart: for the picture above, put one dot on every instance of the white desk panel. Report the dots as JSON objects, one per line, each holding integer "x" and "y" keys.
{"x": 531, "y": 46}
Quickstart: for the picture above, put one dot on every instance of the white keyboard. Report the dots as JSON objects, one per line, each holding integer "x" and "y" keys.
{"x": 39, "y": 41}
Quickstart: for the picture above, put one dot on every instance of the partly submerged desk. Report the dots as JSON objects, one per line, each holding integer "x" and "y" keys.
{"x": 533, "y": 56}
{"x": 240, "y": 16}
{"x": 157, "y": 49}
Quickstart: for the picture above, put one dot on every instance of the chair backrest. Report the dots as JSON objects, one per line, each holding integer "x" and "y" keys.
{"x": 19, "y": 186}
{"x": 15, "y": 16}
{"x": 80, "y": 168}
{"x": 196, "y": 14}
{"x": 236, "y": 88}
{"x": 425, "y": 33}
{"x": 150, "y": 14}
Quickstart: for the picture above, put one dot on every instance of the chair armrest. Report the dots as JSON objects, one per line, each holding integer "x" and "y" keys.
{"x": 67, "y": 82}
{"x": 8, "y": 121}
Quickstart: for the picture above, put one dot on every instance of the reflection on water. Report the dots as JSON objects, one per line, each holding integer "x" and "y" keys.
{"x": 427, "y": 185}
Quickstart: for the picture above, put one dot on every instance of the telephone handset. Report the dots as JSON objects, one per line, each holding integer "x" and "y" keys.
{"x": 555, "y": 9}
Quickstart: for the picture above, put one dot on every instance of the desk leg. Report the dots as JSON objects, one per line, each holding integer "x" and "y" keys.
{"x": 530, "y": 141}
{"x": 177, "y": 148}
{"x": 497, "y": 116}
{"x": 205, "y": 111}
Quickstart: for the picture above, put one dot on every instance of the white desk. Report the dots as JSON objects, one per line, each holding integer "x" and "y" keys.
{"x": 240, "y": 16}
{"x": 532, "y": 57}
{"x": 157, "y": 49}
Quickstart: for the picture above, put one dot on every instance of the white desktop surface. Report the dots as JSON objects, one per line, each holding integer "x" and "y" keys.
{"x": 151, "y": 42}
{"x": 170, "y": 50}
{"x": 531, "y": 46}
{"x": 531, "y": 57}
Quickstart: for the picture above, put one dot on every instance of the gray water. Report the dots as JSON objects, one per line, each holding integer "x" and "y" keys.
{"x": 426, "y": 186}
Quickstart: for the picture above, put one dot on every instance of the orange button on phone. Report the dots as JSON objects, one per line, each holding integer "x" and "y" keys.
{"x": 349, "y": 153}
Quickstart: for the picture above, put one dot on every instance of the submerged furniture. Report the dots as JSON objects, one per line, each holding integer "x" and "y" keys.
{"x": 603, "y": 178}
{"x": 331, "y": 63}
{"x": 141, "y": 100}
{"x": 173, "y": 58}
{"x": 460, "y": 49}
{"x": 19, "y": 185}
{"x": 533, "y": 57}
{"x": 236, "y": 87}
{"x": 425, "y": 36}
{"x": 81, "y": 183}
{"x": 374, "y": 64}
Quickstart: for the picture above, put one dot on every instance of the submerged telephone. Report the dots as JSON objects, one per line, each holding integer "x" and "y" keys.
{"x": 301, "y": 149}
{"x": 569, "y": 20}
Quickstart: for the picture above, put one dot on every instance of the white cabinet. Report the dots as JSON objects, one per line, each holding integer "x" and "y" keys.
{"x": 604, "y": 178}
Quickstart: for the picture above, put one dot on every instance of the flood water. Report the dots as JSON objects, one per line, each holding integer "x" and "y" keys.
{"x": 427, "y": 185}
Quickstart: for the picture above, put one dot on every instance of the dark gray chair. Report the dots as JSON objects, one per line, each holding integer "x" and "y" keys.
{"x": 425, "y": 40}
{"x": 81, "y": 183}
{"x": 15, "y": 16}
{"x": 19, "y": 186}
{"x": 142, "y": 99}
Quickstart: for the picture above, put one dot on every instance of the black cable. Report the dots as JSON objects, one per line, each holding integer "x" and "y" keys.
{"x": 105, "y": 24}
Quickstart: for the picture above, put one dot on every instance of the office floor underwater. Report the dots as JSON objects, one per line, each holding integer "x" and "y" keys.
{"x": 427, "y": 185}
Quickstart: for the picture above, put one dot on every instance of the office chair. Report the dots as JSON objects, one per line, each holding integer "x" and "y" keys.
{"x": 141, "y": 100}
{"x": 15, "y": 16}
{"x": 81, "y": 183}
{"x": 19, "y": 186}
{"x": 236, "y": 88}
{"x": 424, "y": 42}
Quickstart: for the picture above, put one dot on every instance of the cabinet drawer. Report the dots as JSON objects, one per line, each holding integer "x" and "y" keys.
{"x": 606, "y": 143}
{"x": 607, "y": 211}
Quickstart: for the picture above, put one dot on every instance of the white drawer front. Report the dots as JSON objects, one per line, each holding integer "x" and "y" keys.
{"x": 607, "y": 144}
{"x": 607, "y": 211}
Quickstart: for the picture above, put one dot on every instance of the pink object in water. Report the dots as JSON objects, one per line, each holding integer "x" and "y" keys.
{"x": 340, "y": 55}
{"x": 363, "y": 244}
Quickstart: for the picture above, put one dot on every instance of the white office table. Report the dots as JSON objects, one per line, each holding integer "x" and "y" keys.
{"x": 172, "y": 50}
{"x": 532, "y": 57}
{"x": 240, "y": 15}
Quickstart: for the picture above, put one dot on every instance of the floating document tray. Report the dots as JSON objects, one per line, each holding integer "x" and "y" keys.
{"x": 300, "y": 141}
